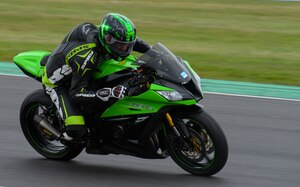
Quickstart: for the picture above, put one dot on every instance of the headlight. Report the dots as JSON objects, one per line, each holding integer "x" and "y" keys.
{"x": 171, "y": 95}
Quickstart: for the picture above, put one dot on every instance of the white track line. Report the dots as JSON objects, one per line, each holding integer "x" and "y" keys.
{"x": 251, "y": 96}
{"x": 13, "y": 75}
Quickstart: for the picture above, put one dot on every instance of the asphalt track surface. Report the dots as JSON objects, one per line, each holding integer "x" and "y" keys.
{"x": 263, "y": 137}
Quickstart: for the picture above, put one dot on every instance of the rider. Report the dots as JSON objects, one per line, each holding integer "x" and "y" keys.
{"x": 71, "y": 64}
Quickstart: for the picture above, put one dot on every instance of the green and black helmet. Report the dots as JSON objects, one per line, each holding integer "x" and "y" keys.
{"x": 117, "y": 34}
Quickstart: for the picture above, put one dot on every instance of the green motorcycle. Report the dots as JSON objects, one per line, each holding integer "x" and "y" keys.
{"x": 159, "y": 116}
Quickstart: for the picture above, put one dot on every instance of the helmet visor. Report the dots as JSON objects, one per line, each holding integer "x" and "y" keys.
{"x": 121, "y": 48}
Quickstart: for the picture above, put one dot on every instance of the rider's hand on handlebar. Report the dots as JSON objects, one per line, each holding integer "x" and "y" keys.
{"x": 118, "y": 91}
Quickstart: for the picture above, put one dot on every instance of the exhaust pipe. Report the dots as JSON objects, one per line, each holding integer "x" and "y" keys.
{"x": 45, "y": 124}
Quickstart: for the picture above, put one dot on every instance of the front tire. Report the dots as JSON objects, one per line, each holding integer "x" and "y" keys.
{"x": 35, "y": 104}
{"x": 209, "y": 150}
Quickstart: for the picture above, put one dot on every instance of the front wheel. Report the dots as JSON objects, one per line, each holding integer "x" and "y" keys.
{"x": 37, "y": 103}
{"x": 208, "y": 150}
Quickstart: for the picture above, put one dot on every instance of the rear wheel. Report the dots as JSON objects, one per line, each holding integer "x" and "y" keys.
{"x": 39, "y": 138}
{"x": 208, "y": 150}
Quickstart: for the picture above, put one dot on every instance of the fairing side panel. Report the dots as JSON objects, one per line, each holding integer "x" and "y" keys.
{"x": 146, "y": 103}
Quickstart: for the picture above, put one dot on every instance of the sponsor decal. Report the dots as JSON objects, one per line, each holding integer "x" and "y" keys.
{"x": 54, "y": 97}
{"x": 141, "y": 106}
{"x": 86, "y": 28}
{"x": 184, "y": 74}
{"x": 86, "y": 60}
{"x": 79, "y": 49}
{"x": 85, "y": 95}
{"x": 60, "y": 73}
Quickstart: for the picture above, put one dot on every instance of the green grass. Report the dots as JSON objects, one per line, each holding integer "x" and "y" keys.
{"x": 244, "y": 40}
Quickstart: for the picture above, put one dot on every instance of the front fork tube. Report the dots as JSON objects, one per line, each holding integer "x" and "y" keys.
{"x": 179, "y": 124}
{"x": 172, "y": 125}
{"x": 183, "y": 134}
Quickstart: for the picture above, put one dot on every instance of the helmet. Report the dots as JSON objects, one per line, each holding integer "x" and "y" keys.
{"x": 117, "y": 34}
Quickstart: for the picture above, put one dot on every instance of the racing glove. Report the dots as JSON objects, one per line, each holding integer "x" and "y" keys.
{"x": 116, "y": 92}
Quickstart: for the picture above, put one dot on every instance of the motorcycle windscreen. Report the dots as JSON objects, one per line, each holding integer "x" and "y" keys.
{"x": 166, "y": 64}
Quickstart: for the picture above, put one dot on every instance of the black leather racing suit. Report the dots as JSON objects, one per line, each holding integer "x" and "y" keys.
{"x": 69, "y": 69}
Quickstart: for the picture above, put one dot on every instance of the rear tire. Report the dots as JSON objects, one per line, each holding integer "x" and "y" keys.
{"x": 36, "y": 103}
{"x": 209, "y": 151}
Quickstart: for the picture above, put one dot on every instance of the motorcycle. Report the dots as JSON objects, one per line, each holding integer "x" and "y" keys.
{"x": 160, "y": 116}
